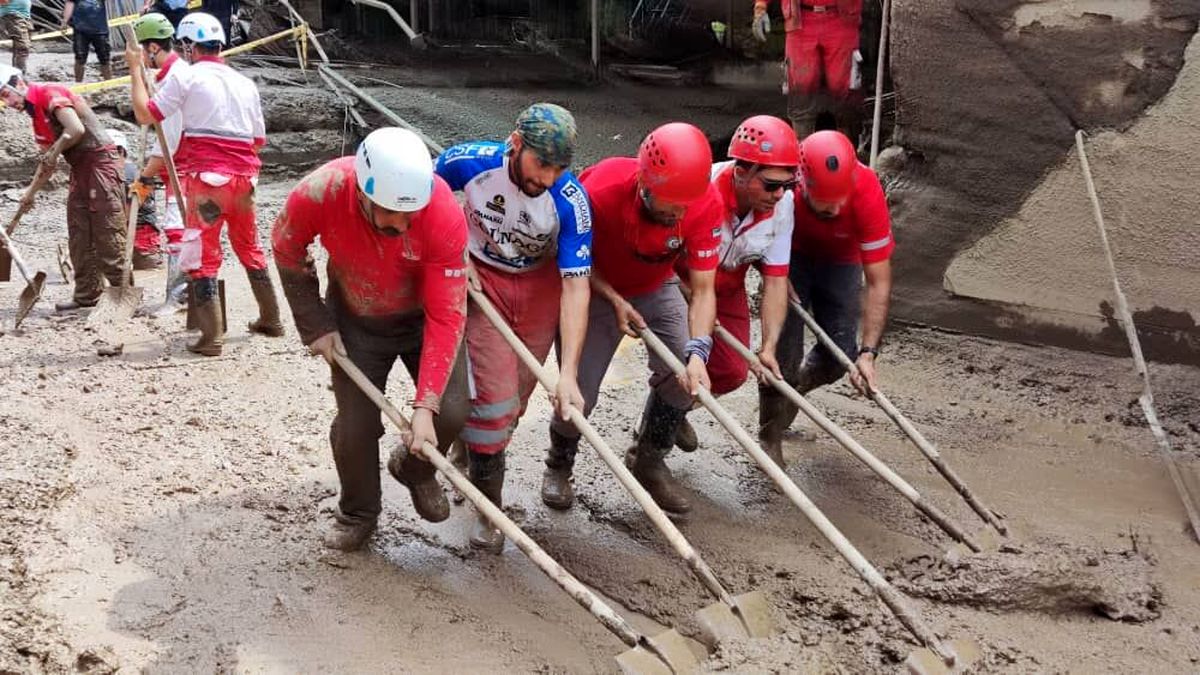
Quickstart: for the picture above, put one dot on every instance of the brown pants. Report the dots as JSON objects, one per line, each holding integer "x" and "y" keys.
{"x": 95, "y": 229}
{"x": 357, "y": 428}
{"x": 17, "y": 28}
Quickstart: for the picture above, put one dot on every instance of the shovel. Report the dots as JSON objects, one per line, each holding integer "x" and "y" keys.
{"x": 937, "y": 656}
{"x": 39, "y": 179}
{"x": 854, "y": 447}
{"x": 742, "y": 616}
{"x": 33, "y": 286}
{"x": 120, "y": 303}
{"x": 665, "y": 653}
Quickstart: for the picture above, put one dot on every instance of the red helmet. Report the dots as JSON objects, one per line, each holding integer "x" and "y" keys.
{"x": 674, "y": 163}
{"x": 766, "y": 140}
{"x": 828, "y": 162}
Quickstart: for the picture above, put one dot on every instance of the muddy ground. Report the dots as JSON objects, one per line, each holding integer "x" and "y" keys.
{"x": 162, "y": 512}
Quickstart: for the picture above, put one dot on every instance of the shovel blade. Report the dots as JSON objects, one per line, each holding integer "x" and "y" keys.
{"x": 117, "y": 305}
{"x": 29, "y": 297}
{"x": 925, "y": 662}
{"x": 666, "y": 653}
{"x": 749, "y": 617}
{"x": 987, "y": 538}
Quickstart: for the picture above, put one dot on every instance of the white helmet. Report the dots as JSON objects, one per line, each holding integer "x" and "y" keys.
{"x": 200, "y": 27}
{"x": 7, "y": 73}
{"x": 394, "y": 169}
{"x": 119, "y": 139}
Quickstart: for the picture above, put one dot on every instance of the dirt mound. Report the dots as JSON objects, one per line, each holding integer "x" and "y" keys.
{"x": 1053, "y": 579}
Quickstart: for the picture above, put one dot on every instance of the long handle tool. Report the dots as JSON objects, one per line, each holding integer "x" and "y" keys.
{"x": 665, "y": 653}
{"x": 120, "y": 303}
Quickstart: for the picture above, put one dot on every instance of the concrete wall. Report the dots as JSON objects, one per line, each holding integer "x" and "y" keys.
{"x": 994, "y": 229}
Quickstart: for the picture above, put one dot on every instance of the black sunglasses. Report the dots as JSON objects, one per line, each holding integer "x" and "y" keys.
{"x": 776, "y": 185}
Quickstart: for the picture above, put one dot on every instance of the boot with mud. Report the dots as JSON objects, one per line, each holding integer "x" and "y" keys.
{"x": 106, "y": 72}
{"x": 208, "y": 317}
{"x": 685, "y": 437}
{"x": 557, "y": 491}
{"x": 775, "y": 415}
{"x": 487, "y": 474}
{"x": 72, "y": 306}
{"x": 656, "y": 437}
{"x": 267, "y": 322}
{"x": 347, "y": 536}
{"x": 418, "y": 476}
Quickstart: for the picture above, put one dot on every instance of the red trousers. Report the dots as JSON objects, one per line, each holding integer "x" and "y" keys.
{"x": 211, "y": 206}
{"x": 821, "y": 52}
{"x": 146, "y": 240}
{"x": 726, "y": 368}
{"x": 529, "y": 303}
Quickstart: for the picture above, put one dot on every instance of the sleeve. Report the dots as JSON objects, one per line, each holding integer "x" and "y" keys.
{"x": 296, "y": 227}
{"x": 778, "y": 257}
{"x": 58, "y": 98}
{"x": 444, "y": 296}
{"x": 703, "y": 236}
{"x": 574, "y": 228}
{"x": 168, "y": 100}
{"x": 874, "y": 223}
{"x": 452, "y": 166}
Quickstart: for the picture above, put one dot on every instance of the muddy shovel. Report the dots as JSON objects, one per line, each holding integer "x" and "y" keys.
{"x": 39, "y": 179}
{"x": 119, "y": 303}
{"x": 741, "y": 616}
{"x": 662, "y": 654}
{"x": 33, "y": 285}
{"x": 938, "y": 656}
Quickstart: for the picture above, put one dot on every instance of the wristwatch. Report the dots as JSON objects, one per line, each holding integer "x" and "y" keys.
{"x": 873, "y": 351}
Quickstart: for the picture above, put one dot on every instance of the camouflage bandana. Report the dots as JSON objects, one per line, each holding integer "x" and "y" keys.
{"x": 549, "y": 131}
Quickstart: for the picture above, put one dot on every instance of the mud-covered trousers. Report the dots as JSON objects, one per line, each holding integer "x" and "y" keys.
{"x": 17, "y": 28}
{"x": 374, "y": 345}
{"x": 819, "y": 61}
{"x": 96, "y": 225}
{"x": 529, "y": 304}
{"x": 832, "y": 294}
{"x": 666, "y": 314}
{"x": 212, "y": 201}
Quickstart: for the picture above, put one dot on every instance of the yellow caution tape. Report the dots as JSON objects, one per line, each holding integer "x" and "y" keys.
{"x": 112, "y": 23}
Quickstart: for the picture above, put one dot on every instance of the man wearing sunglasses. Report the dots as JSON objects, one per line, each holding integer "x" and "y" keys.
{"x": 647, "y": 213}
{"x": 842, "y": 234}
{"x": 530, "y": 229}
{"x": 756, "y": 229}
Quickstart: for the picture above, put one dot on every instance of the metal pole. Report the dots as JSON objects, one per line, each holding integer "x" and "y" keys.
{"x": 414, "y": 15}
{"x": 879, "y": 70}
{"x": 434, "y": 146}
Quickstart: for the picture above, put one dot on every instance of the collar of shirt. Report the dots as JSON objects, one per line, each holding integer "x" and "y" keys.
{"x": 209, "y": 59}
{"x": 172, "y": 57}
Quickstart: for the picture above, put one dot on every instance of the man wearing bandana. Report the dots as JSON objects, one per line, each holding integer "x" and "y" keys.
{"x": 647, "y": 212}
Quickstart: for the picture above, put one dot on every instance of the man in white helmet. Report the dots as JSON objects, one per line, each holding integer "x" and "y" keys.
{"x": 397, "y": 245}
{"x": 147, "y": 245}
{"x": 218, "y": 165}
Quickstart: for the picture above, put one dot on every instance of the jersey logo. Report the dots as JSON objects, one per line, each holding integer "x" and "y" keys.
{"x": 496, "y": 204}
{"x": 674, "y": 243}
{"x": 583, "y": 252}
{"x": 579, "y": 201}
{"x": 524, "y": 218}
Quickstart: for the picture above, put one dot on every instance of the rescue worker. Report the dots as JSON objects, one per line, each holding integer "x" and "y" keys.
{"x": 226, "y": 12}
{"x": 396, "y": 240}
{"x": 646, "y": 213}
{"x": 820, "y": 49}
{"x": 147, "y": 247}
{"x": 16, "y": 24}
{"x": 756, "y": 197}
{"x": 842, "y": 234}
{"x": 89, "y": 21}
{"x": 218, "y": 167}
{"x": 64, "y": 124}
{"x": 172, "y": 10}
{"x": 155, "y": 35}
{"x": 529, "y": 225}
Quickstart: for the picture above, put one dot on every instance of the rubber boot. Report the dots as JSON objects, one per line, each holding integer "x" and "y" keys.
{"x": 342, "y": 536}
{"x": 487, "y": 474}
{"x": 72, "y": 305}
{"x": 458, "y": 457}
{"x": 418, "y": 476}
{"x": 685, "y": 437}
{"x": 660, "y": 421}
{"x": 208, "y": 317}
{"x": 775, "y": 415}
{"x": 106, "y": 72}
{"x": 557, "y": 491}
{"x": 267, "y": 322}
{"x": 79, "y": 70}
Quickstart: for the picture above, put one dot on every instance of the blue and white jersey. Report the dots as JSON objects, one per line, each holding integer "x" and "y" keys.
{"x": 510, "y": 230}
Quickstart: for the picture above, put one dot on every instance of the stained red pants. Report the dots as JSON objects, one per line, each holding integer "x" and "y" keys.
{"x": 211, "y": 206}
{"x": 726, "y": 368}
{"x": 821, "y": 52}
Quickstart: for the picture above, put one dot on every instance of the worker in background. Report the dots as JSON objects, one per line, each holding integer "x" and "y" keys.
{"x": 647, "y": 212}
{"x": 529, "y": 225}
{"x": 218, "y": 166}
{"x": 820, "y": 48}
{"x": 756, "y": 229}
{"x": 147, "y": 245}
{"x": 16, "y": 24}
{"x": 64, "y": 124}
{"x": 226, "y": 12}
{"x": 397, "y": 245}
{"x": 842, "y": 234}
{"x": 172, "y": 10}
{"x": 156, "y": 36}
{"x": 89, "y": 21}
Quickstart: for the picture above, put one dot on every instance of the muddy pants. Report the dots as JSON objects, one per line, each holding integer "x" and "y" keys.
{"x": 666, "y": 313}
{"x": 17, "y": 28}
{"x": 95, "y": 227}
{"x": 832, "y": 294}
{"x": 819, "y": 58}
{"x": 214, "y": 200}
{"x": 529, "y": 303}
{"x": 726, "y": 368}
{"x": 357, "y": 428}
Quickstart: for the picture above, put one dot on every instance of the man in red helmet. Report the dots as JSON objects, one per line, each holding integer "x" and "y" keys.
{"x": 755, "y": 186}
{"x": 819, "y": 53}
{"x": 842, "y": 234}
{"x": 647, "y": 213}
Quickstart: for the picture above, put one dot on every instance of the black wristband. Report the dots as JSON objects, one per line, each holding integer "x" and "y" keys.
{"x": 873, "y": 351}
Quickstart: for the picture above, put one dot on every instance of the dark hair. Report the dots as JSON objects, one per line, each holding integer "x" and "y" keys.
{"x": 744, "y": 165}
{"x": 12, "y": 81}
{"x": 213, "y": 47}
{"x": 165, "y": 44}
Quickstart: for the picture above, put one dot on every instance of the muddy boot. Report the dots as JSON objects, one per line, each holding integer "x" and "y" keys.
{"x": 79, "y": 71}
{"x": 685, "y": 437}
{"x": 106, "y": 72}
{"x": 660, "y": 421}
{"x": 775, "y": 415}
{"x": 487, "y": 474}
{"x": 267, "y": 322}
{"x": 418, "y": 476}
{"x": 345, "y": 536}
{"x": 208, "y": 318}
{"x": 557, "y": 491}
{"x": 458, "y": 457}
{"x": 72, "y": 305}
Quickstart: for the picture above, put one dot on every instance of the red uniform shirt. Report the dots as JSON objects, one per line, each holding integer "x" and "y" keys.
{"x": 379, "y": 276}
{"x": 861, "y": 233}
{"x": 45, "y": 99}
{"x": 629, "y": 251}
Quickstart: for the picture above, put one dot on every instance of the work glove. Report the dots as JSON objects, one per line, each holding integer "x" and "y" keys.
{"x": 141, "y": 190}
{"x": 762, "y": 22}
